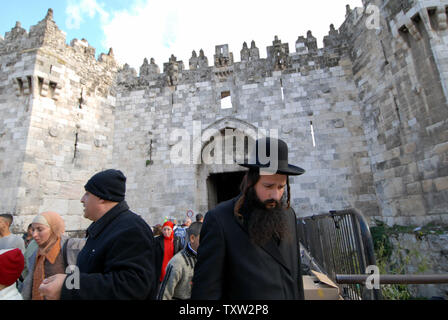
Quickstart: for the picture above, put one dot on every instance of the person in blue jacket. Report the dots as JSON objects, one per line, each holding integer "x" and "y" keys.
{"x": 117, "y": 261}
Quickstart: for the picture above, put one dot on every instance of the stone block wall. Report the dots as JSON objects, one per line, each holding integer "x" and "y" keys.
{"x": 365, "y": 116}
{"x": 400, "y": 72}
{"x": 262, "y": 98}
{"x": 16, "y": 70}
{"x": 63, "y": 120}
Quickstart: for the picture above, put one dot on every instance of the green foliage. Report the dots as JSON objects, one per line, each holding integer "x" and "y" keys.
{"x": 389, "y": 291}
{"x": 383, "y": 247}
{"x": 381, "y": 234}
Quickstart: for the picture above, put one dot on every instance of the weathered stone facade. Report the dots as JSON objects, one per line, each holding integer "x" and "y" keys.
{"x": 365, "y": 116}
{"x": 57, "y": 120}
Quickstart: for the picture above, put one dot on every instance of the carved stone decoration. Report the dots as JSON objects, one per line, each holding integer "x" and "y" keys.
{"x": 126, "y": 75}
{"x": 311, "y": 42}
{"x": 301, "y": 45}
{"x": 348, "y": 10}
{"x": 196, "y": 62}
{"x": 193, "y": 62}
{"x": 49, "y": 15}
{"x": 202, "y": 60}
{"x": 16, "y": 32}
{"x": 254, "y": 52}
{"x": 223, "y": 58}
{"x": 278, "y": 54}
{"x": 333, "y": 39}
{"x": 53, "y": 132}
{"x": 245, "y": 52}
{"x": 250, "y": 54}
{"x": 338, "y": 123}
{"x": 149, "y": 70}
{"x": 172, "y": 70}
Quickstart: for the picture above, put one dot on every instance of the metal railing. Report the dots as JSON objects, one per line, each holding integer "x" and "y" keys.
{"x": 340, "y": 243}
{"x": 394, "y": 278}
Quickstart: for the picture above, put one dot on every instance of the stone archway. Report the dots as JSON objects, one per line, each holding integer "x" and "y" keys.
{"x": 214, "y": 177}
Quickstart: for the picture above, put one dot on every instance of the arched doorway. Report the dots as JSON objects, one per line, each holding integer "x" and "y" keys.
{"x": 225, "y": 143}
{"x": 223, "y": 186}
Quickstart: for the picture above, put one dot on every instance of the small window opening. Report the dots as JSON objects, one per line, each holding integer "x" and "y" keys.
{"x": 30, "y": 83}
{"x": 282, "y": 90}
{"x": 20, "y": 84}
{"x": 52, "y": 88}
{"x": 81, "y": 99}
{"x": 226, "y": 100}
{"x": 40, "y": 83}
{"x": 312, "y": 133}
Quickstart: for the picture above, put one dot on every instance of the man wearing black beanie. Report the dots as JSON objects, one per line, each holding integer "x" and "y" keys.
{"x": 117, "y": 261}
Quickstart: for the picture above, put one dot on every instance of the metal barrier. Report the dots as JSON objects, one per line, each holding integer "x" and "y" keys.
{"x": 394, "y": 278}
{"x": 340, "y": 243}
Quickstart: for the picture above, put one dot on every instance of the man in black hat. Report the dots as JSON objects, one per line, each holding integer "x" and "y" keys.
{"x": 249, "y": 245}
{"x": 117, "y": 261}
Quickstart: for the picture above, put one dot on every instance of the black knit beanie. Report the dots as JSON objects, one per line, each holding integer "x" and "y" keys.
{"x": 108, "y": 185}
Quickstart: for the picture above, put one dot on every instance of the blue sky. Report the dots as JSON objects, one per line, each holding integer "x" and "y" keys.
{"x": 141, "y": 29}
{"x": 30, "y": 12}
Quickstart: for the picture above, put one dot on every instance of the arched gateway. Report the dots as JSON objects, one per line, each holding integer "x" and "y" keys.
{"x": 218, "y": 176}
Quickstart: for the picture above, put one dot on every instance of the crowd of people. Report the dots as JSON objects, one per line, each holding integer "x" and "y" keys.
{"x": 44, "y": 251}
{"x": 245, "y": 248}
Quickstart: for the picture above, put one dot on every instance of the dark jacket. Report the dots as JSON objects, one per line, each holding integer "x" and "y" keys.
{"x": 230, "y": 266}
{"x": 160, "y": 249}
{"x": 117, "y": 261}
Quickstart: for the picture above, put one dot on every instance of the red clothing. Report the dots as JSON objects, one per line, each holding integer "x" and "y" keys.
{"x": 168, "y": 244}
{"x": 167, "y": 255}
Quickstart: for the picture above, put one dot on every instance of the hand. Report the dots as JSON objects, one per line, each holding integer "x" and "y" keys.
{"x": 51, "y": 287}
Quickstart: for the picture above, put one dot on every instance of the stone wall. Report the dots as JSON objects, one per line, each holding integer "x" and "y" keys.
{"x": 59, "y": 107}
{"x": 16, "y": 72}
{"x": 375, "y": 99}
{"x": 286, "y": 95}
{"x": 400, "y": 72}
{"x": 416, "y": 253}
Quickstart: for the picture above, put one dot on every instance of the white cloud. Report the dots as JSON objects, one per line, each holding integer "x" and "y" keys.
{"x": 155, "y": 28}
{"x": 77, "y": 10}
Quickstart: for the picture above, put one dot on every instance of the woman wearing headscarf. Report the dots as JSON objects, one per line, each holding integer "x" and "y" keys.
{"x": 53, "y": 255}
{"x": 167, "y": 246}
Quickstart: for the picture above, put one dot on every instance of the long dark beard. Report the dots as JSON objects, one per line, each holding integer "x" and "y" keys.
{"x": 264, "y": 224}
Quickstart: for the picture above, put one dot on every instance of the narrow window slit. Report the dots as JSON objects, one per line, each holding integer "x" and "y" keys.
{"x": 312, "y": 133}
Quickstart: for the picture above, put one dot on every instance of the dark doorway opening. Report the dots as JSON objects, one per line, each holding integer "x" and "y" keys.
{"x": 223, "y": 186}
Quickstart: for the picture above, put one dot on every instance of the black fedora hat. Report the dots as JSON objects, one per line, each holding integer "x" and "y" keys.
{"x": 276, "y": 162}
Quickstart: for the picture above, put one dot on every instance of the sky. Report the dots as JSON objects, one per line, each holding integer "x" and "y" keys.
{"x": 139, "y": 29}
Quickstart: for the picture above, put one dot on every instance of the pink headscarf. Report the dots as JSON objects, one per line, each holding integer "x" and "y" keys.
{"x": 51, "y": 250}
{"x": 57, "y": 226}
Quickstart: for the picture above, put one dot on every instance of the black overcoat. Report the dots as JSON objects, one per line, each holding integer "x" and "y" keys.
{"x": 230, "y": 266}
{"x": 117, "y": 261}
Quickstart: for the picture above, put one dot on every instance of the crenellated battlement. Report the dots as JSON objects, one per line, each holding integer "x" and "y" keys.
{"x": 46, "y": 34}
{"x": 365, "y": 115}
{"x": 305, "y": 58}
